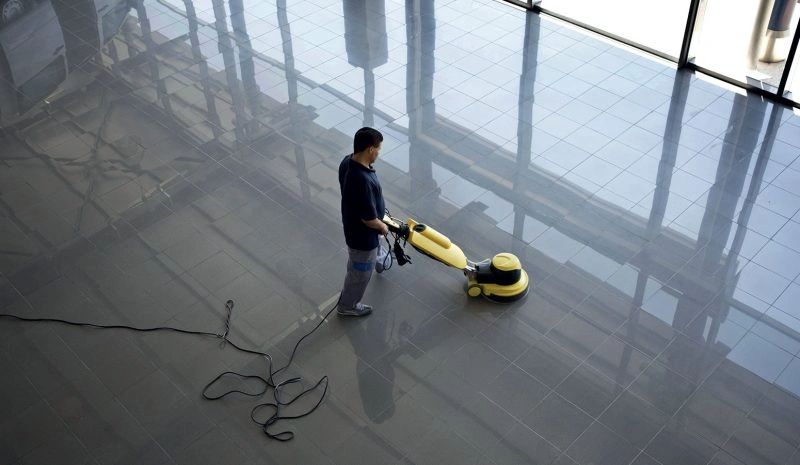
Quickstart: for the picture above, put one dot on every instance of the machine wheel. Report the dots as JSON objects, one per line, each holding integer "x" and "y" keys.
{"x": 11, "y": 10}
{"x": 474, "y": 290}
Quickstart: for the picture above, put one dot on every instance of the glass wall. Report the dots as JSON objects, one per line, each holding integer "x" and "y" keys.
{"x": 745, "y": 40}
{"x": 793, "y": 83}
{"x": 655, "y": 24}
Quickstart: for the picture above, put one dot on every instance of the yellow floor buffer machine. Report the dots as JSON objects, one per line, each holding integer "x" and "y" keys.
{"x": 499, "y": 279}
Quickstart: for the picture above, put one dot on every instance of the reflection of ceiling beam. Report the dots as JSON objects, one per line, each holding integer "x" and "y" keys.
{"x": 554, "y": 202}
{"x": 549, "y": 205}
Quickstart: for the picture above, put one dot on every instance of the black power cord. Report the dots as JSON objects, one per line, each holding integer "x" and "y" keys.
{"x": 388, "y": 257}
{"x": 395, "y": 252}
{"x": 268, "y": 382}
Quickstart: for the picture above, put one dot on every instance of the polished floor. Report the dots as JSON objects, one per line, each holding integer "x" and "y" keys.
{"x": 159, "y": 157}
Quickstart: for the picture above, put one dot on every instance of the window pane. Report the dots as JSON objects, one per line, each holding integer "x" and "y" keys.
{"x": 793, "y": 84}
{"x": 745, "y": 40}
{"x": 658, "y": 25}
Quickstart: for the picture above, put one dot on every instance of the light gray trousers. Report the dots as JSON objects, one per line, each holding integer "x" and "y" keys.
{"x": 360, "y": 265}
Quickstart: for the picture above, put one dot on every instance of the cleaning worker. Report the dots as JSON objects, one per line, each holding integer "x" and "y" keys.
{"x": 362, "y": 213}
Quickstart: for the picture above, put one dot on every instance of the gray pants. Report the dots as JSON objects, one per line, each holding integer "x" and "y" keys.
{"x": 360, "y": 265}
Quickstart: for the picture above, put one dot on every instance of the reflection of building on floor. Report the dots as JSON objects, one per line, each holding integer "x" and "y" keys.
{"x": 64, "y": 37}
{"x": 120, "y": 165}
{"x": 198, "y": 127}
{"x": 366, "y": 42}
{"x": 193, "y": 101}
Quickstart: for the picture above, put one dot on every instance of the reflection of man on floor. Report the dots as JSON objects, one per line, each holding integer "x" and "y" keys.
{"x": 376, "y": 391}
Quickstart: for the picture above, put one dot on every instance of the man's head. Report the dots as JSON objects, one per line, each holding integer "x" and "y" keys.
{"x": 367, "y": 144}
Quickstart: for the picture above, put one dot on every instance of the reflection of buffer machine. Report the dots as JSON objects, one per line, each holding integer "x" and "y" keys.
{"x": 500, "y": 279}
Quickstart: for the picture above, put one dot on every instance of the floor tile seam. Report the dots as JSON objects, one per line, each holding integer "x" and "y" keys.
{"x": 793, "y": 394}
{"x": 438, "y": 365}
{"x": 530, "y": 410}
{"x": 654, "y": 357}
{"x": 512, "y": 312}
{"x": 161, "y": 365}
{"x": 458, "y": 407}
{"x": 139, "y": 345}
{"x": 407, "y": 457}
{"x": 552, "y": 391}
{"x": 762, "y": 315}
{"x": 170, "y": 272}
{"x": 665, "y": 230}
{"x": 402, "y": 392}
{"x": 752, "y": 204}
{"x": 744, "y": 417}
{"x": 610, "y": 430}
{"x": 622, "y": 388}
{"x": 653, "y": 360}
{"x": 359, "y": 423}
{"x": 670, "y": 284}
{"x": 764, "y": 203}
{"x": 737, "y": 427}
{"x": 614, "y": 334}
{"x": 91, "y": 299}
{"x": 706, "y": 312}
{"x": 64, "y": 424}
{"x": 220, "y": 427}
{"x": 220, "y": 283}
{"x": 539, "y": 334}
{"x": 42, "y": 244}
{"x": 594, "y": 419}
{"x": 522, "y": 424}
{"x": 555, "y": 389}
{"x": 116, "y": 400}
{"x": 570, "y": 170}
{"x": 678, "y": 413}
{"x": 664, "y": 137}
{"x": 645, "y": 454}
{"x": 147, "y": 431}
{"x": 471, "y": 338}
{"x": 594, "y": 194}
{"x": 588, "y": 292}
{"x": 576, "y": 314}
{"x": 372, "y": 435}
{"x": 579, "y": 315}
{"x": 490, "y": 432}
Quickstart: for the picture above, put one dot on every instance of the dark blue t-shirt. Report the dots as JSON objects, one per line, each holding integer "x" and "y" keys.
{"x": 362, "y": 199}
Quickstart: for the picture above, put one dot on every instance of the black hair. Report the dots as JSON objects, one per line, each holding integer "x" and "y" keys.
{"x": 366, "y": 138}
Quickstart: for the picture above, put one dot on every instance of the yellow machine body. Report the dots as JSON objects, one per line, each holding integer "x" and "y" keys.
{"x": 514, "y": 287}
{"x": 500, "y": 278}
{"x": 436, "y": 245}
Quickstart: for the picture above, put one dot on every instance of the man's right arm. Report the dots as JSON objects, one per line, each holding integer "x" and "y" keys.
{"x": 369, "y": 210}
{"x": 375, "y": 223}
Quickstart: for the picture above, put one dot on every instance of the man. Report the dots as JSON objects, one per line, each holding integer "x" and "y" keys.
{"x": 362, "y": 211}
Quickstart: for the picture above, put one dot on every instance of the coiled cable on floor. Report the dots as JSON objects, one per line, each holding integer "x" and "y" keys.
{"x": 280, "y": 402}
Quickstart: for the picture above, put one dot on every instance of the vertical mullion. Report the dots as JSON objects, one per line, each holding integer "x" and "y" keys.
{"x": 789, "y": 62}
{"x": 691, "y": 20}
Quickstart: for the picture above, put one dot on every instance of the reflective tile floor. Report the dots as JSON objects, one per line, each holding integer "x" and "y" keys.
{"x": 161, "y": 157}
